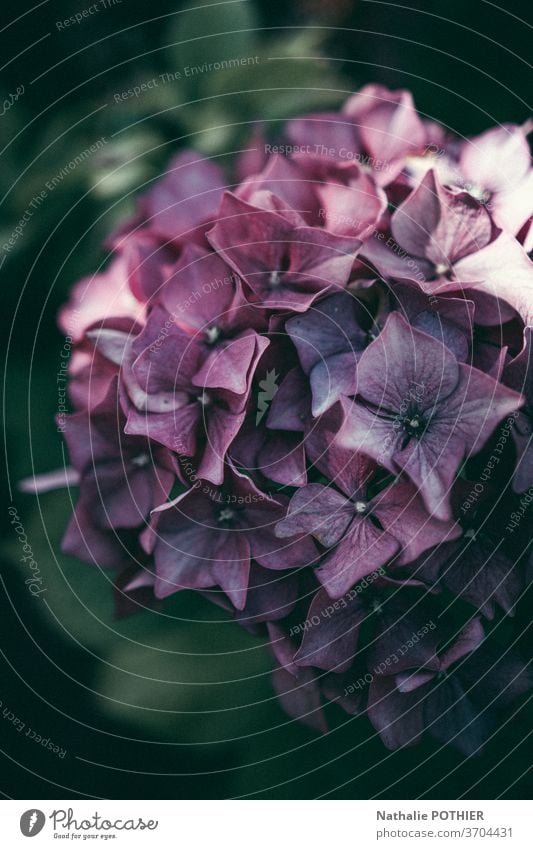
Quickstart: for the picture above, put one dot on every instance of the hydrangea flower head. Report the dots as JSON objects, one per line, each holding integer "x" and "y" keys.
{"x": 309, "y": 398}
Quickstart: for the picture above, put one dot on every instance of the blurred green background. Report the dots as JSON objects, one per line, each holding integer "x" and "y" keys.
{"x": 137, "y": 703}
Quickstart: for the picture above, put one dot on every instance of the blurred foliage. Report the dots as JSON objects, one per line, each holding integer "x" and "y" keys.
{"x": 91, "y": 681}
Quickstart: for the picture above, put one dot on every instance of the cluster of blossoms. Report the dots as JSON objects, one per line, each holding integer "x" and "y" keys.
{"x": 304, "y": 389}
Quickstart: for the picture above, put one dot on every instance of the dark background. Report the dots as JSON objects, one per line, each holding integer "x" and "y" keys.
{"x": 139, "y": 703}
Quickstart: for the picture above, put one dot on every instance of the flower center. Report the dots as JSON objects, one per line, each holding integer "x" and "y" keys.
{"x": 274, "y": 278}
{"x": 226, "y": 515}
{"x": 204, "y": 399}
{"x": 360, "y": 507}
{"x": 478, "y": 192}
{"x": 414, "y": 425}
{"x": 141, "y": 460}
{"x": 442, "y": 269}
{"x": 212, "y": 334}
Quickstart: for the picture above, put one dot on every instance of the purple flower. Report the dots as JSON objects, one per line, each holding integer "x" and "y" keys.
{"x": 420, "y": 411}
{"x": 457, "y": 703}
{"x": 121, "y": 479}
{"x": 284, "y": 266}
{"x": 330, "y": 633}
{"x": 275, "y": 454}
{"x": 172, "y": 398}
{"x": 333, "y": 359}
{"x": 388, "y": 126}
{"x": 476, "y": 568}
{"x": 446, "y": 240}
{"x": 353, "y": 207}
{"x": 361, "y": 531}
{"x": 441, "y": 227}
{"x": 282, "y": 186}
{"x": 329, "y": 339}
{"x": 182, "y": 204}
{"x": 376, "y": 128}
{"x": 449, "y": 319}
{"x": 496, "y": 168}
{"x": 291, "y": 405}
{"x": 207, "y": 537}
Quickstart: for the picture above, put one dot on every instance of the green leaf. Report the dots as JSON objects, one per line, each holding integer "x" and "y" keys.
{"x": 210, "y": 34}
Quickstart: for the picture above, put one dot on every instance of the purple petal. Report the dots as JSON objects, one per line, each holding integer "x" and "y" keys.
{"x": 398, "y": 717}
{"x": 331, "y": 643}
{"x": 317, "y": 510}
{"x": 364, "y": 548}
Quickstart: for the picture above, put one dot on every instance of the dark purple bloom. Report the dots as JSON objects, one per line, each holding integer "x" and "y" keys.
{"x": 330, "y": 633}
{"x": 172, "y": 399}
{"x": 420, "y": 411}
{"x": 329, "y": 339}
{"x": 476, "y": 568}
{"x": 361, "y": 531}
{"x": 300, "y": 697}
{"x": 449, "y": 319}
{"x": 271, "y": 596}
{"x": 457, "y": 703}
{"x": 446, "y": 240}
{"x": 284, "y": 266}
{"x": 207, "y": 537}
{"x": 121, "y": 479}
{"x": 291, "y": 406}
{"x": 182, "y": 204}
{"x": 275, "y": 454}
{"x": 334, "y": 359}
